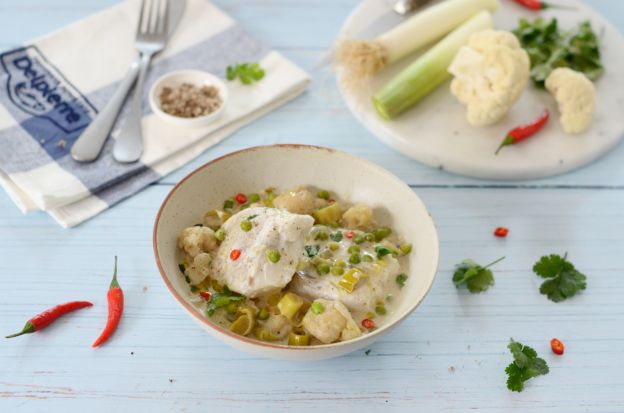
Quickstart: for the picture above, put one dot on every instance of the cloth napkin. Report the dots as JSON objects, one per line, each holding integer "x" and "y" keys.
{"x": 53, "y": 87}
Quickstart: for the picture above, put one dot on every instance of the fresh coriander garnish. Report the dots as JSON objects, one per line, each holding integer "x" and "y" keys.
{"x": 401, "y": 279}
{"x": 564, "y": 281}
{"x": 312, "y": 250}
{"x": 223, "y": 299}
{"x": 525, "y": 366}
{"x": 382, "y": 251}
{"x": 476, "y": 277}
{"x": 336, "y": 236}
{"x": 246, "y": 72}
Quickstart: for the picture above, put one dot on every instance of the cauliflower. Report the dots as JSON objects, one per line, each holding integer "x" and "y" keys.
{"x": 194, "y": 240}
{"x": 576, "y": 96}
{"x": 490, "y": 73}
{"x": 200, "y": 268}
{"x": 359, "y": 216}
{"x": 334, "y": 323}
{"x": 299, "y": 201}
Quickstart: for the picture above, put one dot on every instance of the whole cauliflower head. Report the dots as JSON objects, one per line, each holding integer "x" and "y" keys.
{"x": 576, "y": 97}
{"x": 490, "y": 74}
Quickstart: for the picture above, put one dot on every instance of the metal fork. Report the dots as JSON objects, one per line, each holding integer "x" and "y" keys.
{"x": 151, "y": 38}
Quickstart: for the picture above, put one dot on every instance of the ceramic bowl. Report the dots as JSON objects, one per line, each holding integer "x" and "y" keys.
{"x": 194, "y": 77}
{"x": 284, "y": 167}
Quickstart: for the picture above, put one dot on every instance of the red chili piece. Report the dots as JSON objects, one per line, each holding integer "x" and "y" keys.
{"x": 235, "y": 254}
{"x": 115, "y": 309}
{"x": 368, "y": 324}
{"x": 205, "y": 295}
{"x": 240, "y": 198}
{"x": 501, "y": 232}
{"x": 42, "y": 320}
{"x": 523, "y": 132}
{"x": 349, "y": 234}
{"x": 541, "y": 5}
{"x": 557, "y": 346}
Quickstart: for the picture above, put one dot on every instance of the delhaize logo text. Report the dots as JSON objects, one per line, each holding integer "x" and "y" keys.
{"x": 36, "y": 87}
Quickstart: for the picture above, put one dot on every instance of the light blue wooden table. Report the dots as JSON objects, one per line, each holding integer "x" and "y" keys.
{"x": 448, "y": 356}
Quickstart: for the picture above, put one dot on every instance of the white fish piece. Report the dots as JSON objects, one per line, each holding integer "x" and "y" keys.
{"x": 253, "y": 274}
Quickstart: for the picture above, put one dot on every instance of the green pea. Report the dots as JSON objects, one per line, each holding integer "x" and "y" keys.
{"x": 273, "y": 256}
{"x": 406, "y": 248}
{"x": 263, "y": 314}
{"x": 322, "y": 268}
{"x": 317, "y": 308}
{"x": 253, "y": 198}
{"x": 337, "y": 270}
{"x": 367, "y": 258}
{"x": 220, "y": 234}
{"x": 323, "y": 194}
{"x": 245, "y": 225}
{"x": 380, "y": 309}
{"x": 322, "y": 235}
{"x": 355, "y": 258}
{"x": 370, "y": 237}
{"x": 381, "y": 233}
{"x": 231, "y": 308}
{"x": 401, "y": 279}
{"x": 334, "y": 246}
{"x": 340, "y": 263}
{"x": 353, "y": 248}
{"x": 359, "y": 238}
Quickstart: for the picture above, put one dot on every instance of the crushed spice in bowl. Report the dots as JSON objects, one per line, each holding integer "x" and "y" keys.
{"x": 190, "y": 101}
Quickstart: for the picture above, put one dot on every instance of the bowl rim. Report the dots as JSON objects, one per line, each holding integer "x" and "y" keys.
{"x": 214, "y": 79}
{"x": 205, "y": 322}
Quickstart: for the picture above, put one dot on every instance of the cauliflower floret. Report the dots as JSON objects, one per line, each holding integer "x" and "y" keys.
{"x": 359, "y": 216}
{"x": 278, "y": 325}
{"x": 576, "y": 96}
{"x": 200, "y": 268}
{"x": 334, "y": 323}
{"x": 490, "y": 73}
{"x": 194, "y": 240}
{"x": 300, "y": 201}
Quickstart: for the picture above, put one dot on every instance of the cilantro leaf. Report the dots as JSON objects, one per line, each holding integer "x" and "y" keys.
{"x": 564, "y": 281}
{"x": 246, "y": 72}
{"x": 312, "y": 250}
{"x": 476, "y": 277}
{"x": 222, "y": 299}
{"x": 525, "y": 366}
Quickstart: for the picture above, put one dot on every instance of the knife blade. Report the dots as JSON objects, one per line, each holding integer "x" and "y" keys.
{"x": 89, "y": 145}
{"x": 398, "y": 11}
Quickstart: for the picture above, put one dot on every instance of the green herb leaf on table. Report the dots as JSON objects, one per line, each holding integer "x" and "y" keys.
{"x": 525, "y": 366}
{"x": 549, "y": 48}
{"x": 476, "y": 278}
{"x": 564, "y": 281}
{"x": 248, "y": 73}
{"x": 223, "y": 299}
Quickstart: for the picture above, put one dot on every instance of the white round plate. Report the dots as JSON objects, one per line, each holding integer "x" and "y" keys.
{"x": 435, "y": 132}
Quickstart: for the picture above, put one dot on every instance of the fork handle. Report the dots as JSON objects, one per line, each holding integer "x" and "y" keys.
{"x": 129, "y": 143}
{"x": 90, "y": 143}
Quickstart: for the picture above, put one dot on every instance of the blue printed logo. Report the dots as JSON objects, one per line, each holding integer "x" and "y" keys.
{"x": 36, "y": 87}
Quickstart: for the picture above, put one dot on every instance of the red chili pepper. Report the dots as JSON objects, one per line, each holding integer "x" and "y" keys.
{"x": 523, "y": 132}
{"x": 368, "y": 324}
{"x": 240, "y": 198}
{"x": 205, "y": 295}
{"x": 349, "y": 234}
{"x": 557, "y": 346}
{"x": 541, "y": 5}
{"x": 501, "y": 232}
{"x": 115, "y": 309}
{"x": 42, "y": 320}
{"x": 235, "y": 254}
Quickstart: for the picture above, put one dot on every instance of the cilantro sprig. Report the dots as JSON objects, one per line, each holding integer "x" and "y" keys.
{"x": 477, "y": 278}
{"x": 222, "y": 299}
{"x": 564, "y": 281}
{"x": 248, "y": 73}
{"x": 525, "y": 366}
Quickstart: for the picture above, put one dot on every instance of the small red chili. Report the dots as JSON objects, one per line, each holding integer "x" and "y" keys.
{"x": 234, "y": 254}
{"x": 540, "y": 5}
{"x": 349, "y": 234}
{"x": 115, "y": 299}
{"x": 368, "y": 324}
{"x": 524, "y": 132}
{"x": 42, "y": 320}
{"x": 557, "y": 346}
{"x": 501, "y": 232}
{"x": 240, "y": 198}
{"x": 206, "y": 295}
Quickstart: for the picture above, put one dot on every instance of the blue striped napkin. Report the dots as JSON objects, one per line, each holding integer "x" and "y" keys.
{"x": 54, "y": 86}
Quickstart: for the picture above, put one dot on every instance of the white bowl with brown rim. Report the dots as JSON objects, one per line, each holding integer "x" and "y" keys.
{"x": 287, "y": 166}
{"x": 195, "y": 78}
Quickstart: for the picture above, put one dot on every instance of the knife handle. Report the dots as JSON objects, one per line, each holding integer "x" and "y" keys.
{"x": 90, "y": 143}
